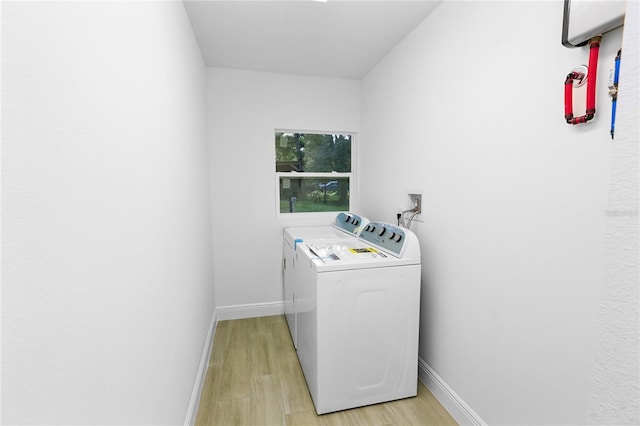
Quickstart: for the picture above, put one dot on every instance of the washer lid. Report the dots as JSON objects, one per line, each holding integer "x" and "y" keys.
{"x": 343, "y": 255}
{"x": 344, "y": 226}
{"x": 298, "y": 234}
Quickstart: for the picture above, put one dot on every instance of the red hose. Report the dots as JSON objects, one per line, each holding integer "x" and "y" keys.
{"x": 568, "y": 96}
{"x": 594, "y": 48}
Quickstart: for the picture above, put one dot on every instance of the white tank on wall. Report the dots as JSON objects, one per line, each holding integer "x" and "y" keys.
{"x": 584, "y": 19}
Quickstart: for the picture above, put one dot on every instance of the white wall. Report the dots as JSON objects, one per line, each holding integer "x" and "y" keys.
{"x": 107, "y": 290}
{"x": 514, "y": 199}
{"x": 615, "y": 396}
{"x": 245, "y": 108}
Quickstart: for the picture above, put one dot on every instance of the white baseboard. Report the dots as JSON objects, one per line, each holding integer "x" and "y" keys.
{"x": 250, "y": 310}
{"x": 459, "y": 410}
{"x": 198, "y": 385}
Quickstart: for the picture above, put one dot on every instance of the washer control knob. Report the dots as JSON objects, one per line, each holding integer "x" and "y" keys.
{"x": 397, "y": 238}
{"x": 392, "y": 236}
{"x": 381, "y": 232}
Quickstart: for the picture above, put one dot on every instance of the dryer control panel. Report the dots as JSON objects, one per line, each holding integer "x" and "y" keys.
{"x": 349, "y": 222}
{"x": 389, "y": 237}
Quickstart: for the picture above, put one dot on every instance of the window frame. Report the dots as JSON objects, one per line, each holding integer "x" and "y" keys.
{"x": 301, "y": 175}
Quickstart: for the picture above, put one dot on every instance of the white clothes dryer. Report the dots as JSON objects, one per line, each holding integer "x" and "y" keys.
{"x": 345, "y": 226}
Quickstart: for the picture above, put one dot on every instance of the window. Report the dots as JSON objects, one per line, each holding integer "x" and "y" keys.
{"x": 313, "y": 172}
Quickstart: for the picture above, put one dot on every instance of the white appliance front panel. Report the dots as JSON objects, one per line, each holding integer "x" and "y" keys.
{"x": 358, "y": 336}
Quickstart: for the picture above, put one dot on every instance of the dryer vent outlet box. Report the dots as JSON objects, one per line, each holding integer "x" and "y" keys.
{"x": 416, "y": 201}
{"x": 584, "y": 19}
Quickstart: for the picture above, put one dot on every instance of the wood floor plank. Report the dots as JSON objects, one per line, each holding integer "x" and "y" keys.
{"x": 207, "y": 399}
{"x": 266, "y": 402}
{"x": 372, "y": 415}
{"x": 231, "y": 412}
{"x": 339, "y": 418}
{"x": 262, "y": 354}
{"x": 295, "y": 393}
{"x": 281, "y": 337}
{"x": 303, "y": 418}
{"x": 220, "y": 342}
{"x": 263, "y": 325}
{"x": 239, "y": 333}
{"x": 254, "y": 378}
{"x": 418, "y": 410}
{"x": 232, "y": 378}
{"x": 430, "y": 408}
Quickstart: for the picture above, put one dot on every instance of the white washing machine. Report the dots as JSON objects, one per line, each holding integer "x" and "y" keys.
{"x": 346, "y": 226}
{"x": 358, "y": 315}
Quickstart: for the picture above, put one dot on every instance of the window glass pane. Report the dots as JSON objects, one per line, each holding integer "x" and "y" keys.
{"x": 307, "y": 152}
{"x": 299, "y": 194}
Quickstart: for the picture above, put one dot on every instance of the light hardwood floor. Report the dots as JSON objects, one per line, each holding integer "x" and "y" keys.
{"x": 254, "y": 378}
